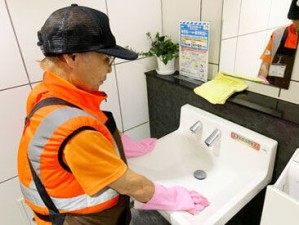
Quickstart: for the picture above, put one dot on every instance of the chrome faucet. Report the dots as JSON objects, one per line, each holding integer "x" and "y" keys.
{"x": 213, "y": 137}
{"x": 196, "y": 127}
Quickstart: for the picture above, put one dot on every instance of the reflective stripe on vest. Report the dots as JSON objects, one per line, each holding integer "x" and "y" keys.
{"x": 35, "y": 149}
{"x": 69, "y": 204}
{"x": 276, "y": 42}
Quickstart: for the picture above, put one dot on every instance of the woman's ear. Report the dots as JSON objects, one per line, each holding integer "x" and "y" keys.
{"x": 70, "y": 59}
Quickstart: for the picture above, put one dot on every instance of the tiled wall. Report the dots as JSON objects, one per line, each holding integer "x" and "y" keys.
{"x": 175, "y": 11}
{"x": 125, "y": 86}
{"x": 247, "y": 26}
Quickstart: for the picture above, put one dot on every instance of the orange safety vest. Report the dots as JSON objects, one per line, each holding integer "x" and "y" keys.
{"x": 47, "y": 130}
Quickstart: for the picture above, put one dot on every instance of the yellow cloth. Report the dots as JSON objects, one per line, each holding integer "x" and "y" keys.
{"x": 218, "y": 90}
{"x": 242, "y": 76}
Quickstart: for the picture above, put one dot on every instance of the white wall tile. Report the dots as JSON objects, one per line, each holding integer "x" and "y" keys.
{"x": 12, "y": 68}
{"x": 228, "y": 55}
{"x": 278, "y": 13}
{"x": 230, "y": 17}
{"x": 132, "y": 91}
{"x": 28, "y": 17}
{"x": 254, "y": 16}
{"x": 291, "y": 95}
{"x": 10, "y": 210}
{"x": 140, "y": 132}
{"x": 295, "y": 73}
{"x": 130, "y": 20}
{"x": 112, "y": 104}
{"x": 175, "y": 11}
{"x": 12, "y": 121}
{"x": 211, "y": 12}
{"x": 263, "y": 89}
{"x": 249, "y": 49}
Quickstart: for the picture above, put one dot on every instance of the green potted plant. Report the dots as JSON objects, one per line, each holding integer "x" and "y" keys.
{"x": 165, "y": 50}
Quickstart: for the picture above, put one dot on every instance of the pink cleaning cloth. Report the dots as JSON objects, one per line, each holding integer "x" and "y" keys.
{"x": 175, "y": 198}
{"x": 137, "y": 148}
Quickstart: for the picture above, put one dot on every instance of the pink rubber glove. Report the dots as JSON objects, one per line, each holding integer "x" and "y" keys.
{"x": 264, "y": 79}
{"x": 175, "y": 198}
{"x": 133, "y": 148}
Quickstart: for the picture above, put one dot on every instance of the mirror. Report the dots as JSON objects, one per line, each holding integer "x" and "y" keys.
{"x": 246, "y": 33}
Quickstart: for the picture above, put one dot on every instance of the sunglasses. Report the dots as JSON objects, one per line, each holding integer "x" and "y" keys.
{"x": 111, "y": 60}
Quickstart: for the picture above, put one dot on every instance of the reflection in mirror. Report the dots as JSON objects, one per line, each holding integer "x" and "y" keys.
{"x": 279, "y": 55}
{"x": 260, "y": 41}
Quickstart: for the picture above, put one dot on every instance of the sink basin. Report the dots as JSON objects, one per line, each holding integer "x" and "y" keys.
{"x": 238, "y": 165}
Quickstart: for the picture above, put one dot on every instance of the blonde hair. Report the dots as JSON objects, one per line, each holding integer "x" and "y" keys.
{"x": 50, "y": 63}
{"x": 55, "y": 64}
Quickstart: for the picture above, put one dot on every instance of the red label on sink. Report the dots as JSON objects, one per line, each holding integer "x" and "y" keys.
{"x": 245, "y": 141}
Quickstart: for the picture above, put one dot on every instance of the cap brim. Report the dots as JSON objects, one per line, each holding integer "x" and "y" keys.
{"x": 119, "y": 52}
{"x": 293, "y": 15}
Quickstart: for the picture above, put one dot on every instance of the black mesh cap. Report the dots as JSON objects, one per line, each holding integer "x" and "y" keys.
{"x": 294, "y": 10}
{"x": 77, "y": 29}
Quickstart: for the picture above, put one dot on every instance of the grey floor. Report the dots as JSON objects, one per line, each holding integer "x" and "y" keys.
{"x": 147, "y": 217}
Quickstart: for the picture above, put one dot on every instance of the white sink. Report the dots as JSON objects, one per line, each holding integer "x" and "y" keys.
{"x": 236, "y": 168}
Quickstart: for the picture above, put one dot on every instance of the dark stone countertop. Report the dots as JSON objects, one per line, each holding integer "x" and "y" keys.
{"x": 271, "y": 106}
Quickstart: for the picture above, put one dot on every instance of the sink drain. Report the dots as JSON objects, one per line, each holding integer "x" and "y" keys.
{"x": 200, "y": 174}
